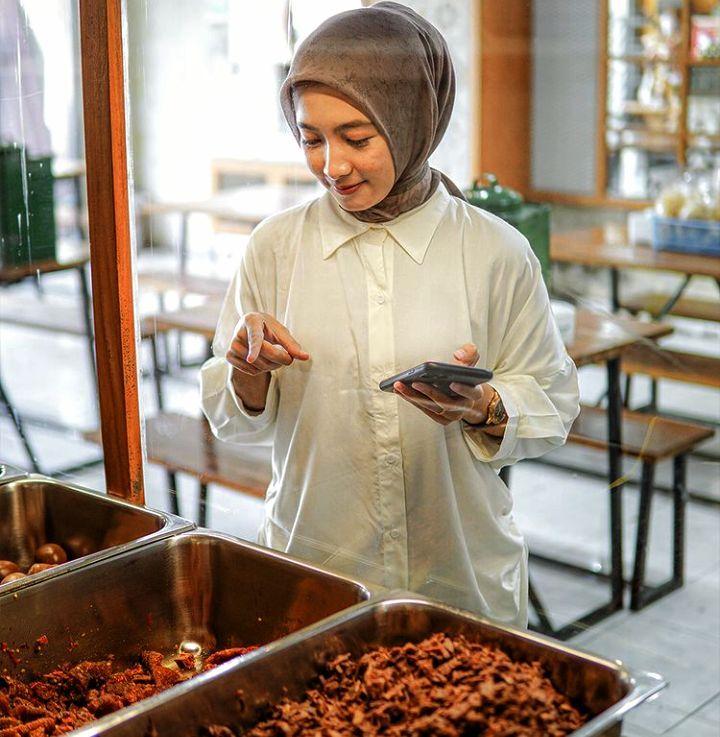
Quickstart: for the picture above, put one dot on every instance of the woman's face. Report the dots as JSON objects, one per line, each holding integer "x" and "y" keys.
{"x": 343, "y": 148}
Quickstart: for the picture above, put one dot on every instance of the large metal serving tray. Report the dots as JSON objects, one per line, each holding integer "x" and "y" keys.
{"x": 8, "y": 472}
{"x": 200, "y": 587}
{"x": 234, "y": 693}
{"x": 35, "y": 509}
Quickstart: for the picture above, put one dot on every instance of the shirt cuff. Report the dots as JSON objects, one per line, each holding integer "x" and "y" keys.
{"x": 251, "y": 414}
{"x": 486, "y": 447}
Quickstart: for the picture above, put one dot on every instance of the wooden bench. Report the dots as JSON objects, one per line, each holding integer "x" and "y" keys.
{"x": 654, "y": 303}
{"x": 31, "y": 312}
{"x": 182, "y": 284}
{"x": 184, "y": 444}
{"x": 650, "y": 439}
{"x": 660, "y": 363}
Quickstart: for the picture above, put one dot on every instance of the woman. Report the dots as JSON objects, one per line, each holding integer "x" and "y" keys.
{"x": 389, "y": 268}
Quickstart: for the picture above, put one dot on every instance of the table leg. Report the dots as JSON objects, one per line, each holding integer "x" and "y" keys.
{"x": 615, "y": 479}
{"x": 87, "y": 317}
{"x": 157, "y": 371}
{"x": 20, "y": 429}
{"x": 614, "y": 289}
{"x": 184, "y": 217}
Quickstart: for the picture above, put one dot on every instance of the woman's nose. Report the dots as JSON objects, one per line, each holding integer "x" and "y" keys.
{"x": 336, "y": 165}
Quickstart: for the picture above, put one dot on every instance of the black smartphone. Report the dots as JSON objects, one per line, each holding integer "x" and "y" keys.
{"x": 440, "y": 375}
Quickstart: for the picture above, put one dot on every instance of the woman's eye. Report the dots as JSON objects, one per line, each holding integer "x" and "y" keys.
{"x": 360, "y": 142}
{"x": 310, "y": 143}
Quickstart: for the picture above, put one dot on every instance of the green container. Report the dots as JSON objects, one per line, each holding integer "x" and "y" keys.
{"x": 27, "y": 208}
{"x": 532, "y": 220}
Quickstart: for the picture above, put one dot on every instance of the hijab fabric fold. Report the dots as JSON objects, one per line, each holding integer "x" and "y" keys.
{"x": 396, "y": 68}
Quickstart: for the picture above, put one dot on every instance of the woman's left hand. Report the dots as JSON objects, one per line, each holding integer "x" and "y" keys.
{"x": 471, "y": 404}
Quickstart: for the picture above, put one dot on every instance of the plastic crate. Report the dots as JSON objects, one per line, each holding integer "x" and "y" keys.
{"x": 27, "y": 211}
{"x": 686, "y": 236}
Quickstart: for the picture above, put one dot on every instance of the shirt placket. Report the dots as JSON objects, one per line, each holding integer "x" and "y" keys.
{"x": 378, "y": 257}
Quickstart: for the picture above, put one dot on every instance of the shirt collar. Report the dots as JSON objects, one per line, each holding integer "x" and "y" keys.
{"x": 412, "y": 230}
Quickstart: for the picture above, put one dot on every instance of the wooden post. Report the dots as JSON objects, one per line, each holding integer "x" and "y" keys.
{"x": 110, "y": 246}
{"x": 504, "y": 87}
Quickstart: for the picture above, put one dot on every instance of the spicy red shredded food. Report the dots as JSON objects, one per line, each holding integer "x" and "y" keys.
{"x": 72, "y": 695}
{"x": 442, "y": 686}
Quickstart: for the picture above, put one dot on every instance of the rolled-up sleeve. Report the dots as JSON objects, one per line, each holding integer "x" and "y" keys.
{"x": 228, "y": 417}
{"x": 535, "y": 377}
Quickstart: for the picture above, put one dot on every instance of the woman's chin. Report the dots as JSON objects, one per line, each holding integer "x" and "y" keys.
{"x": 353, "y": 204}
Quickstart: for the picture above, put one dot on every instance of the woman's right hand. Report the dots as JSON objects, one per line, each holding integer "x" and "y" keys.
{"x": 263, "y": 344}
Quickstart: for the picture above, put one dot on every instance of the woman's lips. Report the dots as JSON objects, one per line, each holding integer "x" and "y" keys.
{"x": 347, "y": 190}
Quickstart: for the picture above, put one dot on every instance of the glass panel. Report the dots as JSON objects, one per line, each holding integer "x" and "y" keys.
{"x": 361, "y": 485}
{"x": 47, "y": 374}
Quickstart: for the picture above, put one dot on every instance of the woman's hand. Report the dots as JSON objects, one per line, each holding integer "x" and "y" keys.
{"x": 263, "y": 344}
{"x": 471, "y": 405}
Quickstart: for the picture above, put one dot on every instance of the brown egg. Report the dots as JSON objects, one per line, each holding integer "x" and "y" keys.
{"x": 13, "y": 577}
{"x": 78, "y": 545}
{"x": 7, "y": 567}
{"x": 38, "y": 567}
{"x": 50, "y": 553}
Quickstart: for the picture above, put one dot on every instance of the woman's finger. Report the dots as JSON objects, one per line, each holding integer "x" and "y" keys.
{"x": 275, "y": 353}
{"x": 423, "y": 400}
{"x": 442, "y": 419}
{"x": 466, "y": 355}
{"x": 242, "y": 365}
{"x": 286, "y": 340}
{"x": 241, "y": 351}
{"x": 474, "y": 393}
{"x": 441, "y": 399}
{"x": 255, "y": 329}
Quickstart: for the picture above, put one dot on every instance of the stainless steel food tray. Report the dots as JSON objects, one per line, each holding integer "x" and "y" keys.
{"x": 8, "y": 472}
{"x": 35, "y": 509}
{"x": 608, "y": 689}
{"x": 200, "y": 587}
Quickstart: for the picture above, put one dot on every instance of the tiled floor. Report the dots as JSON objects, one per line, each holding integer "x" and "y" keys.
{"x": 563, "y": 513}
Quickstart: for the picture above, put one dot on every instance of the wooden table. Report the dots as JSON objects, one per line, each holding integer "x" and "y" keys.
{"x": 610, "y": 248}
{"x": 246, "y": 206}
{"x": 70, "y": 255}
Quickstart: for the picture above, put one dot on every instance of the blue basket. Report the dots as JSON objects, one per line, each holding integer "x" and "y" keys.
{"x": 686, "y": 236}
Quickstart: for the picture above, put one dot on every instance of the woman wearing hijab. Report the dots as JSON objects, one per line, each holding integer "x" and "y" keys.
{"x": 390, "y": 267}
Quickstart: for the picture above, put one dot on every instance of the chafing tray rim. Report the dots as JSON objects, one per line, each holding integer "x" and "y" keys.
{"x": 642, "y": 685}
{"x": 171, "y": 525}
{"x": 11, "y": 473}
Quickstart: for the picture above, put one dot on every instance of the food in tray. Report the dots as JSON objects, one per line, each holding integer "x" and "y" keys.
{"x": 442, "y": 685}
{"x": 75, "y": 694}
{"x": 47, "y": 556}
{"x": 7, "y": 567}
{"x": 50, "y": 553}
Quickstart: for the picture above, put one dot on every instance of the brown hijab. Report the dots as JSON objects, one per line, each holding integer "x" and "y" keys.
{"x": 396, "y": 68}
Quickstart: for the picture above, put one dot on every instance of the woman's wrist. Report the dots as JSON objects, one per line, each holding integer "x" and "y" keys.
{"x": 251, "y": 390}
{"x": 479, "y": 413}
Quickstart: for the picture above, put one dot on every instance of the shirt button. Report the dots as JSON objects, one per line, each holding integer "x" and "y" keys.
{"x": 391, "y": 460}
{"x": 380, "y": 299}
{"x": 394, "y": 534}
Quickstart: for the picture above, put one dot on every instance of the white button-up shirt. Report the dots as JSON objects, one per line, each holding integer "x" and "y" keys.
{"x": 363, "y": 482}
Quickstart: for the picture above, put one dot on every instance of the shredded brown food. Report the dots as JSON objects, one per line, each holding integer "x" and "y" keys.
{"x": 443, "y": 686}
{"x": 72, "y": 695}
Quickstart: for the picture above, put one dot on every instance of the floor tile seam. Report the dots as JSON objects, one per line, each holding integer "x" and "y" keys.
{"x": 694, "y": 712}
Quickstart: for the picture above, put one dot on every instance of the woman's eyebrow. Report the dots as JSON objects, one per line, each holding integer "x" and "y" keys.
{"x": 340, "y": 128}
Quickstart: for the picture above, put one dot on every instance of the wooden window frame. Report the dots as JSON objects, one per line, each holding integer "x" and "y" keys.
{"x": 104, "y": 110}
